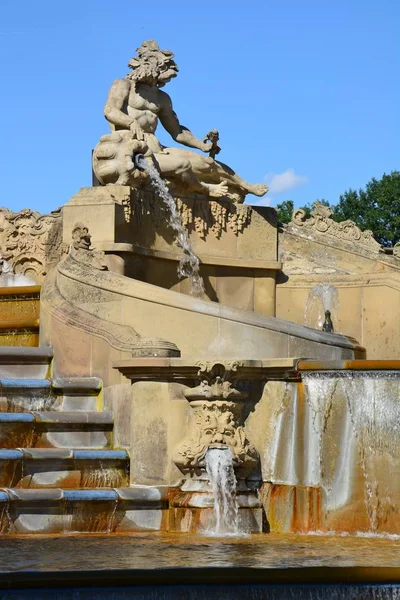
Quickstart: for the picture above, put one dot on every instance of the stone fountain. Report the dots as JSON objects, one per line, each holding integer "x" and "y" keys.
{"x": 111, "y": 423}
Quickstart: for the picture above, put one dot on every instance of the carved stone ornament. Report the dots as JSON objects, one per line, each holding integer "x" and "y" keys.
{"x": 31, "y": 243}
{"x": 396, "y": 250}
{"x": 213, "y": 217}
{"x": 320, "y": 222}
{"x": 216, "y": 423}
{"x": 81, "y": 251}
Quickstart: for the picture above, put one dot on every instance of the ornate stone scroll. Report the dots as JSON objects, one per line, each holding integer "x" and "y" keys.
{"x": 320, "y": 222}
{"x": 30, "y": 242}
{"x": 396, "y": 250}
{"x": 216, "y": 423}
{"x": 213, "y": 217}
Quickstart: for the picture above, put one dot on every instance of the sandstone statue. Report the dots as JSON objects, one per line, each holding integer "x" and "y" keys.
{"x": 133, "y": 108}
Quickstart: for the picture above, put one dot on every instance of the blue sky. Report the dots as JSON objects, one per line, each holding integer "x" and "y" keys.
{"x": 306, "y": 95}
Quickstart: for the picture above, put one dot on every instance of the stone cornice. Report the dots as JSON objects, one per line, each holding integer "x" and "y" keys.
{"x": 192, "y": 370}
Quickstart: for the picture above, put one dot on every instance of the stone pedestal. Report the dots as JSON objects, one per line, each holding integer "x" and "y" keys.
{"x": 236, "y": 244}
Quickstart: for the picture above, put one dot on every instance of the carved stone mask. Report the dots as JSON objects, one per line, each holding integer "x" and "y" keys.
{"x": 81, "y": 238}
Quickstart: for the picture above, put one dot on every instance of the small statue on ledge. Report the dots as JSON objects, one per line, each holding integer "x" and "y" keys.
{"x": 133, "y": 108}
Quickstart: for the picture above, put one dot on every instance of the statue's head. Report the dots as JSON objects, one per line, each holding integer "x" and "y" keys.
{"x": 81, "y": 237}
{"x": 152, "y": 65}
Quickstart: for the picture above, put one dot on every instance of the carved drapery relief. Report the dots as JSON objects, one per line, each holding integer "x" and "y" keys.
{"x": 31, "y": 243}
{"x": 213, "y": 216}
{"x": 321, "y": 222}
{"x": 216, "y": 423}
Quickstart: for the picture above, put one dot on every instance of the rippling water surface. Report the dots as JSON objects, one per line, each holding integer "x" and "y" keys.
{"x": 158, "y": 550}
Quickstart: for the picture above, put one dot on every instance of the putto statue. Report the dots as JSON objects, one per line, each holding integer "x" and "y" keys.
{"x": 133, "y": 108}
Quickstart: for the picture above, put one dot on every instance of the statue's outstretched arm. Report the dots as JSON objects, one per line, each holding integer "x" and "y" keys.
{"x": 117, "y": 97}
{"x": 177, "y": 131}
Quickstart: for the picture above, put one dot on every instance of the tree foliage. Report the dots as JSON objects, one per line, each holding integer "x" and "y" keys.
{"x": 285, "y": 210}
{"x": 377, "y": 207}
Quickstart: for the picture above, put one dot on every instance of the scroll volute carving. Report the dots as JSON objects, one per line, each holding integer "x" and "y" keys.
{"x": 320, "y": 222}
{"x": 216, "y": 422}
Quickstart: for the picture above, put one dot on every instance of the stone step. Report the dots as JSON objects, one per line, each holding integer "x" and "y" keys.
{"x": 52, "y": 429}
{"x": 79, "y": 393}
{"x": 24, "y": 362}
{"x": 58, "y": 394}
{"x": 119, "y": 510}
{"x": 55, "y": 468}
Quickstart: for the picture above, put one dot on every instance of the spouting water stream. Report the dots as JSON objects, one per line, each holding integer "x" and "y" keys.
{"x": 219, "y": 466}
{"x": 321, "y": 298}
{"x": 189, "y": 263}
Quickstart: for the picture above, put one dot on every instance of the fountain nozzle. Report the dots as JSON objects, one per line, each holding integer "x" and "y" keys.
{"x": 137, "y": 160}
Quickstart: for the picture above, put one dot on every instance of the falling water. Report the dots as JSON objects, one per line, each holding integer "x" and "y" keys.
{"x": 9, "y": 279}
{"x": 322, "y": 297}
{"x": 189, "y": 263}
{"x": 96, "y": 475}
{"x": 219, "y": 466}
{"x": 373, "y": 400}
{"x": 372, "y": 422}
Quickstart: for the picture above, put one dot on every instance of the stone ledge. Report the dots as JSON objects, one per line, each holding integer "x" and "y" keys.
{"x": 352, "y": 365}
{"x": 238, "y": 263}
{"x": 24, "y": 355}
{"x": 77, "y": 384}
{"x": 180, "y": 369}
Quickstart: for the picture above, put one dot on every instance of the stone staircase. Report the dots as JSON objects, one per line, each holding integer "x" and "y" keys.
{"x": 58, "y": 470}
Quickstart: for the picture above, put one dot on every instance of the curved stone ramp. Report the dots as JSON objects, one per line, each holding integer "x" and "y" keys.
{"x": 77, "y": 299}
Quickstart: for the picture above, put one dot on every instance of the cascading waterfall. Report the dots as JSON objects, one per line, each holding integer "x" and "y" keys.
{"x": 369, "y": 421}
{"x": 189, "y": 263}
{"x": 321, "y": 298}
{"x": 219, "y": 466}
{"x": 374, "y": 406}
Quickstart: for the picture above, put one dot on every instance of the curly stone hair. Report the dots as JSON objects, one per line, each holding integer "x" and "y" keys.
{"x": 149, "y": 62}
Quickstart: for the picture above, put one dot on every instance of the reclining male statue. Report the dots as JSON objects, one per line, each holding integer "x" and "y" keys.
{"x": 133, "y": 108}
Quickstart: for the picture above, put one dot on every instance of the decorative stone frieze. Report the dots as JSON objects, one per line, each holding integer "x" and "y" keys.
{"x": 217, "y": 406}
{"x": 320, "y": 222}
{"x": 212, "y": 217}
{"x": 31, "y": 243}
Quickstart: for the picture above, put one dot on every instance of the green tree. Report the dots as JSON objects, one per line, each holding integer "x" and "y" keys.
{"x": 285, "y": 210}
{"x": 377, "y": 207}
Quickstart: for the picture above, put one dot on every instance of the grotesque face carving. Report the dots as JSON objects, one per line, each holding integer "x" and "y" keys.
{"x": 215, "y": 425}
